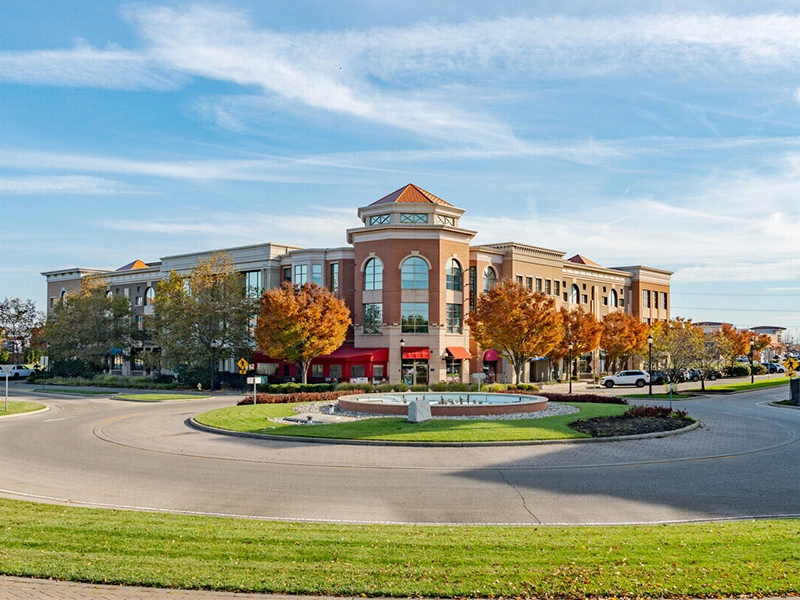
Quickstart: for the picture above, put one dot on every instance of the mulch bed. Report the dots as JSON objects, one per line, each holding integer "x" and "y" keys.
{"x": 614, "y": 426}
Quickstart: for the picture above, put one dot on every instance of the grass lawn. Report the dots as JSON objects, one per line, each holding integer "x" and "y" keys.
{"x": 75, "y": 392}
{"x": 158, "y": 397}
{"x": 754, "y": 558}
{"x": 16, "y": 408}
{"x": 747, "y": 386}
{"x": 252, "y": 419}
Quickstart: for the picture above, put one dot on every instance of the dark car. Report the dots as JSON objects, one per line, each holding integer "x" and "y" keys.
{"x": 658, "y": 377}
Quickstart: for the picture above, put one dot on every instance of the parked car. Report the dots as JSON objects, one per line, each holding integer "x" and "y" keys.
{"x": 637, "y": 378}
{"x": 17, "y": 371}
{"x": 658, "y": 377}
{"x": 774, "y": 367}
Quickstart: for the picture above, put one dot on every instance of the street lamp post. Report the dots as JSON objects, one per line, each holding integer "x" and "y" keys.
{"x": 752, "y": 374}
{"x": 650, "y": 362}
{"x": 569, "y": 369}
{"x": 402, "y": 345}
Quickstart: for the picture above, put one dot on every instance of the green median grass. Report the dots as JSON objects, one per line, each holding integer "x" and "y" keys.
{"x": 17, "y": 408}
{"x": 158, "y": 397}
{"x": 747, "y": 386}
{"x": 253, "y": 419}
{"x": 75, "y": 392}
{"x": 728, "y": 559}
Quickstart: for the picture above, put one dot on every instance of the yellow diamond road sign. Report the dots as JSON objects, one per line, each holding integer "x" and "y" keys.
{"x": 791, "y": 364}
{"x": 242, "y": 364}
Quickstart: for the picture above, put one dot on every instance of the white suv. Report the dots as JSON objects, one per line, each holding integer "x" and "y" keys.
{"x": 16, "y": 371}
{"x": 637, "y": 378}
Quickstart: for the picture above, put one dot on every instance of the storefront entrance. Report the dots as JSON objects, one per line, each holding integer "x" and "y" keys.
{"x": 415, "y": 372}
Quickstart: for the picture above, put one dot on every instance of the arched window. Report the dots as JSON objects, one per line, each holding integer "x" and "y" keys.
{"x": 454, "y": 279}
{"x": 489, "y": 278}
{"x": 612, "y": 298}
{"x": 109, "y": 294}
{"x": 414, "y": 274}
{"x": 149, "y": 295}
{"x": 373, "y": 274}
{"x": 574, "y": 294}
{"x": 63, "y": 295}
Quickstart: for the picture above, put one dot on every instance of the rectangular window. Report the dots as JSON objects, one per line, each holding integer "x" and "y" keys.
{"x": 138, "y": 301}
{"x": 379, "y": 220}
{"x": 664, "y": 301}
{"x": 454, "y": 312}
{"x": 266, "y": 368}
{"x": 413, "y": 218}
{"x": 519, "y": 279}
{"x": 529, "y": 283}
{"x": 622, "y": 302}
{"x": 646, "y": 298}
{"x": 584, "y": 299}
{"x": 414, "y": 317}
{"x": 333, "y": 284}
{"x": 336, "y": 371}
{"x": 538, "y": 284}
{"x": 139, "y": 323}
{"x": 377, "y": 372}
{"x": 287, "y": 274}
{"x": 300, "y": 274}
{"x": 357, "y": 371}
{"x": 605, "y": 300}
{"x": 548, "y": 287}
{"x": 252, "y": 283}
{"x": 316, "y": 274}
{"x": 565, "y": 297}
{"x": 316, "y": 370}
{"x": 556, "y": 288}
{"x": 373, "y": 317}
{"x": 655, "y": 300}
{"x": 446, "y": 220}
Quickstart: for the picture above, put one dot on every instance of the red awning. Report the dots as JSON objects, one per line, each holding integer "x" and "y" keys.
{"x": 491, "y": 356}
{"x": 417, "y": 352}
{"x": 344, "y": 353}
{"x": 459, "y": 352}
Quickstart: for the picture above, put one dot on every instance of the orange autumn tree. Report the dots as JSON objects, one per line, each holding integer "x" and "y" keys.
{"x": 582, "y": 329}
{"x": 517, "y": 322}
{"x": 299, "y": 323}
{"x": 733, "y": 343}
{"x": 623, "y": 336}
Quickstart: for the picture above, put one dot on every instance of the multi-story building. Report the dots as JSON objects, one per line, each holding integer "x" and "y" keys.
{"x": 410, "y": 277}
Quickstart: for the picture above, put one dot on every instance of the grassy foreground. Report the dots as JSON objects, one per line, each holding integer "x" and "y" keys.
{"x": 16, "y": 408}
{"x": 698, "y": 560}
{"x": 252, "y": 419}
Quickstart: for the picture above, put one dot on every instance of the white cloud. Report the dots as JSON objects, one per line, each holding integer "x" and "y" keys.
{"x": 68, "y": 184}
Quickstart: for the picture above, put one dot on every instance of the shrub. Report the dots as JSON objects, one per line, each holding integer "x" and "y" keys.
{"x": 589, "y": 398}
{"x": 419, "y": 388}
{"x": 743, "y": 370}
{"x": 296, "y": 397}
{"x": 526, "y": 387}
{"x": 495, "y": 387}
{"x": 294, "y": 388}
{"x": 73, "y": 367}
{"x": 660, "y": 412}
{"x": 363, "y": 387}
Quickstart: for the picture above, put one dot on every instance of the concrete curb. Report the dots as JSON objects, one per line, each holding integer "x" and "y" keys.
{"x": 313, "y": 440}
{"x": 30, "y": 412}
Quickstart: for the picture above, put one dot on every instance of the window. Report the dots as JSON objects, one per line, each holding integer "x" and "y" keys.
{"x": 139, "y": 322}
{"x": 519, "y": 279}
{"x": 373, "y": 316}
{"x": 446, "y": 220}
{"x": 333, "y": 284}
{"x": 377, "y": 372}
{"x": 655, "y": 300}
{"x": 664, "y": 301}
{"x": 149, "y": 296}
{"x": 379, "y": 220}
{"x": 556, "y": 288}
{"x": 252, "y": 283}
{"x": 316, "y": 370}
{"x": 413, "y": 218}
{"x": 316, "y": 274}
{"x": 605, "y": 300}
{"x": 300, "y": 274}
{"x": 137, "y": 301}
{"x": 454, "y": 279}
{"x": 287, "y": 274}
{"x": 454, "y": 318}
{"x": 529, "y": 283}
{"x": 612, "y": 298}
{"x": 414, "y": 317}
{"x": 573, "y": 294}
{"x": 538, "y": 284}
{"x": 266, "y": 368}
{"x": 489, "y": 278}
{"x": 414, "y": 274}
{"x": 646, "y": 298}
{"x": 357, "y": 371}
{"x": 336, "y": 371}
{"x": 548, "y": 287}
{"x": 585, "y": 299}
{"x": 622, "y": 302}
{"x": 373, "y": 274}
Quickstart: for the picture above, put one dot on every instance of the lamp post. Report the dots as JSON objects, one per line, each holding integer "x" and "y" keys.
{"x": 569, "y": 369}
{"x": 752, "y": 375}
{"x": 402, "y": 345}
{"x": 650, "y": 362}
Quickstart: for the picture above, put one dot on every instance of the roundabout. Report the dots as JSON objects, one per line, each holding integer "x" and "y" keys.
{"x": 741, "y": 463}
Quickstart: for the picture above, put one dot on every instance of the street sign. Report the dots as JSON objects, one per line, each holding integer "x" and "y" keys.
{"x": 255, "y": 380}
{"x": 242, "y": 364}
{"x": 791, "y": 373}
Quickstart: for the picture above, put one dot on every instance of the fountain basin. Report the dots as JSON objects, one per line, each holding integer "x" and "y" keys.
{"x": 444, "y": 404}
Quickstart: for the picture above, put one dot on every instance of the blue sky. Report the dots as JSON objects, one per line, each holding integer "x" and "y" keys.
{"x": 667, "y": 136}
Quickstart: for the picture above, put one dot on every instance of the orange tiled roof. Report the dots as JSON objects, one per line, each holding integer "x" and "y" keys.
{"x": 411, "y": 193}
{"x": 582, "y": 260}
{"x": 137, "y": 264}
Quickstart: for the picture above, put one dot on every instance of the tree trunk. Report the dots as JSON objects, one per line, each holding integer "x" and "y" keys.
{"x": 304, "y": 370}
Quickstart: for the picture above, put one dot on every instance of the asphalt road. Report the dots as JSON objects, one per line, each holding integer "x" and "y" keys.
{"x": 93, "y": 451}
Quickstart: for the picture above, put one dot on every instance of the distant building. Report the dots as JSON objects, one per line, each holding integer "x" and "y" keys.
{"x": 410, "y": 278}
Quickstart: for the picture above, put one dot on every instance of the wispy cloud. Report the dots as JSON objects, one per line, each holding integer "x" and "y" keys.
{"x": 68, "y": 184}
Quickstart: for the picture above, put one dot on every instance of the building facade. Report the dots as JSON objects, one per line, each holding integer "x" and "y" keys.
{"x": 410, "y": 276}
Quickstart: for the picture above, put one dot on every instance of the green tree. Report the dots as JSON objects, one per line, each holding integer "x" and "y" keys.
{"x": 90, "y": 325}
{"x": 677, "y": 345}
{"x": 516, "y": 322}
{"x": 203, "y": 317}
{"x": 299, "y": 323}
{"x": 19, "y": 320}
